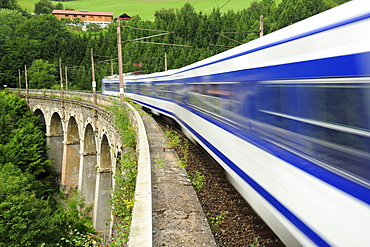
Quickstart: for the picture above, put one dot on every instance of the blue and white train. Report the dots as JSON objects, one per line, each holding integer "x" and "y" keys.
{"x": 288, "y": 118}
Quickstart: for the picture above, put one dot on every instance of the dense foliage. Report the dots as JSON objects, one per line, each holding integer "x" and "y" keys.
{"x": 31, "y": 210}
{"x": 22, "y": 142}
{"x": 38, "y": 42}
{"x": 122, "y": 200}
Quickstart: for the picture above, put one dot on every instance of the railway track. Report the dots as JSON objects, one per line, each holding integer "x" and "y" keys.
{"x": 233, "y": 222}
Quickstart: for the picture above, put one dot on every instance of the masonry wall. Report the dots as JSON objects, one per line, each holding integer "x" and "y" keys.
{"x": 84, "y": 145}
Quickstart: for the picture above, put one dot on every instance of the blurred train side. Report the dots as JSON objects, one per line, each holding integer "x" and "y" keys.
{"x": 110, "y": 85}
{"x": 288, "y": 118}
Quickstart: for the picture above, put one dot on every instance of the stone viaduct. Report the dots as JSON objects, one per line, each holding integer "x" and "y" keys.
{"x": 84, "y": 146}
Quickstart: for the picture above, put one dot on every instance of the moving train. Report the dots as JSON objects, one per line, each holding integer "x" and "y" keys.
{"x": 287, "y": 116}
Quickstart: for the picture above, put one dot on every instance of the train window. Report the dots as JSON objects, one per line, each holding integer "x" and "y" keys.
{"x": 198, "y": 98}
{"x": 138, "y": 87}
{"x": 134, "y": 88}
{"x": 163, "y": 90}
{"x": 128, "y": 87}
{"x": 146, "y": 89}
{"x": 179, "y": 92}
{"x": 329, "y": 116}
{"x": 221, "y": 99}
{"x": 339, "y": 104}
{"x": 229, "y": 94}
{"x": 111, "y": 87}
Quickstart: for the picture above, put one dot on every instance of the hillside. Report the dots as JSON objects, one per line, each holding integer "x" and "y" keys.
{"x": 144, "y": 8}
{"x": 40, "y": 41}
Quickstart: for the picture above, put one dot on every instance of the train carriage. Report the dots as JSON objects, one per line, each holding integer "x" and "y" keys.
{"x": 288, "y": 118}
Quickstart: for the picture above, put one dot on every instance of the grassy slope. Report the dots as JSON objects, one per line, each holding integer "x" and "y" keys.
{"x": 144, "y": 8}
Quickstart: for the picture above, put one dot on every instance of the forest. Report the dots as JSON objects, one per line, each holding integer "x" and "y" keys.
{"x": 37, "y": 43}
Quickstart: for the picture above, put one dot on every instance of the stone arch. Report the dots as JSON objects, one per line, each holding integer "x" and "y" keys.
{"x": 71, "y": 155}
{"x": 38, "y": 113}
{"x": 56, "y": 127}
{"x": 89, "y": 165}
{"x": 55, "y": 142}
{"x": 104, "y": 184}
{"x": 105, "y": 160}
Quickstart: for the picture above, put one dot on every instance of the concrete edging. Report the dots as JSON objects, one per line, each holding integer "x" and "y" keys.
{"x": 141, "y": 224}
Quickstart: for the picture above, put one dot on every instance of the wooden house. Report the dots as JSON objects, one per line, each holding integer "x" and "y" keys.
{"x": 101, "y": 18}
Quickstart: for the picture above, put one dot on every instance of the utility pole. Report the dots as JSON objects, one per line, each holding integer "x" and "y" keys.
{"x": 111, "y": 67}
{"x": 94, "y": 90}
{"x": 66, "y": 74}
{"x": 261, "y": 25}
{"x": 120, "y": 69}
{"x": 60, "y": 73}
{"x": 93, "y": 75}
{"x": 19, "y": 78}
{"x": 61, "y": 87}
{"x": 165, "y": 61}
{"x": 25, "y": 76}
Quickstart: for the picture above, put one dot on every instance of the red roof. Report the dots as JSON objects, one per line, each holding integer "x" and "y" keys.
{"x": 82, "y": 12}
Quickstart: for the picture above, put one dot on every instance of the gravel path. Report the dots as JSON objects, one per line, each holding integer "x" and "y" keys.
{"x": 178, "y": 218}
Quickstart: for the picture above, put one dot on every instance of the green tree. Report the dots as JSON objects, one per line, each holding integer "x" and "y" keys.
{"x": 43, "y": 7}
{"x": 27, "y": 149}
{"x": 292, "y": 11}
{"x": 24, "y": 145}
{"x": 313, "y": 7}
{"x": 66, "y": 21}
{"x": 77, "y": 24}
{"x": 338, "y": 2}
{"x": 9, "y": 20}
{"x": 25, "y": 219}
{"x": 40, "y": 37}
{"x": 167, "y": 15}
{"x": 42, "y": 74}
{"x": 50, "y": 33}
{"x": 59, "y": 6}
{"x": 12, "y": 109}
{"x": 10, "y": 4}
{"x": 93, "y": 27}
{"x": 73, "y": 215}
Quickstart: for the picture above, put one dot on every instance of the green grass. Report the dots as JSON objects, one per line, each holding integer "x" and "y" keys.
{"x": 144, "y": 8}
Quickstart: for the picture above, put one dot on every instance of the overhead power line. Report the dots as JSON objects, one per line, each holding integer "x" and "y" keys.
{"x": 138, "y": 28}
{"x": 255, "y": 31}
{"x": 229, "y": 38}
{"x": 224, "y": 4}
{"x": 154, "y": 43}
{"x": 147, "y": 37}
{"x": 138, "y": 40}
